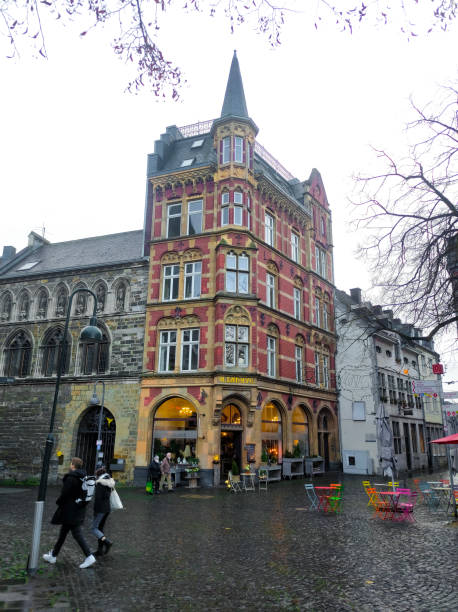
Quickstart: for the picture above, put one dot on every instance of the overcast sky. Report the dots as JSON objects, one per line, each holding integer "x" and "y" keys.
{"x": 73, "y": 145}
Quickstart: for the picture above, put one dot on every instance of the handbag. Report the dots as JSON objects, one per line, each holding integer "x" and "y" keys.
{"x": 115, "y": 501}
{"x": 149, "y": 486}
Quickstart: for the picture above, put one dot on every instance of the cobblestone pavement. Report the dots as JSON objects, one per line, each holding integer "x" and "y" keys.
{"x": 210, "y": 549}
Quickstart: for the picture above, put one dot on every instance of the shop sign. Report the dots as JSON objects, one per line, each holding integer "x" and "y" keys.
{"x": 237, "y": 380}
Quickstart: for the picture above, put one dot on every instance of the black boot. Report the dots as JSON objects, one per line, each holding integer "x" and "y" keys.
{"x": 107, "y": 545}
{"x": 99, "y": 551}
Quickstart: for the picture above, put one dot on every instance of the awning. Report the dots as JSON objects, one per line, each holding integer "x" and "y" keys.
{"x": 453, "y": 439}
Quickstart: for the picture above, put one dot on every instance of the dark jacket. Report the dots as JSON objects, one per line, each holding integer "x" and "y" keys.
{"x": 154, "y": 470}
{"x": 103, "y": 488}
{"x": 69, "y": 512}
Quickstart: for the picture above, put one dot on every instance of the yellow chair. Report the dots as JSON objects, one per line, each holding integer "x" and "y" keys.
{"x": 367, "y": 485}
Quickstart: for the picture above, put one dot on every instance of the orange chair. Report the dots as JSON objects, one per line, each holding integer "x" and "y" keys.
{"x": 381, "y": 507}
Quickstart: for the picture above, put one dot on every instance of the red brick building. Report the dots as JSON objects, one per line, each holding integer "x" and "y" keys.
{"x": 239, "y": 337}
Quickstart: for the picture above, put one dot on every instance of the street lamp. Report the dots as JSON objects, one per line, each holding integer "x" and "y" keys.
{"x": 95, "y": 402}
{"x": 88, "y": 333}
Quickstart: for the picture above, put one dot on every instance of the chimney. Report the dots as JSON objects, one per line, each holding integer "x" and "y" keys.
{"x": 356, "y": 295}
{"x": 8, "y": 253}
{"x": 377, "y": 309}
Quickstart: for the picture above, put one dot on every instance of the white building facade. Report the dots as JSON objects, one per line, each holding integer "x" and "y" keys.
{"x": 383, "y": 422}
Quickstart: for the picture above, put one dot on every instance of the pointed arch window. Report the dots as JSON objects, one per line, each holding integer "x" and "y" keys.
{"x": 121, "y": 297}
{"x": 18, "y": 354}
{"x": 51, "y": 351}
{"x": 94, "y": 356}
{"x": 81, "y": 302}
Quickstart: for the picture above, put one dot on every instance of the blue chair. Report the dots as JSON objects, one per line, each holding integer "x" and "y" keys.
{"x": 311, "y": 494}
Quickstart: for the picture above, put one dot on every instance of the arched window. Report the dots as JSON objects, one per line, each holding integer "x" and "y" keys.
{"x": 6, "y": 307}
{"x": 101, "y": 294}
{"x": 175, "y": 429}
{"x": 301, "y": 430}
{"x": 121, "y": 297}
{"x": 24, "y": 306}
{"x": 61, "y": 302}
{"x": 18, "y": 354}
{"x": 94, "y": 356}
{"x": 271, "y": 431}
{"x": 42, "y": 304}
{"x": 51, "y": 352}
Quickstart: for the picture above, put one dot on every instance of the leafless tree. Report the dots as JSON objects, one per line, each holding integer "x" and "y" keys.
{"x": 410, "y": 218}
{"x": 137, "y": 23}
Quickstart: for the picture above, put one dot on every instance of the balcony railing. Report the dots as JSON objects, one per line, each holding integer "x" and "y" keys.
{"x": 204, "y": 127}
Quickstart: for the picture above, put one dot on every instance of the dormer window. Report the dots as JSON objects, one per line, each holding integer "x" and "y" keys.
{"x": 187, "y": 162}
{"x": 197, "y": 143}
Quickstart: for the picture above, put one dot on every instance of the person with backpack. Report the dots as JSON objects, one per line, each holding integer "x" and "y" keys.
{"x": 77, "y": 490}
{"x": 104, "y": 485}
{"x": 154, "y": 474}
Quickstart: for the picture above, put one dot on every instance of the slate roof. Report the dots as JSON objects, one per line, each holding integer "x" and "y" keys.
{"x": 119, "y": 248}
{"x": 234, "y": 104}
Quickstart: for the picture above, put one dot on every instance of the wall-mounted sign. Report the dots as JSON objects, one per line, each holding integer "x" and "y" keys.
{"x": 438, "y": 368}
{"x": 237, "y": 380}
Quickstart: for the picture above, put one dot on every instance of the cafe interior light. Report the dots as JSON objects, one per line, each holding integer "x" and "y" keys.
{"x": 185, "y": 411}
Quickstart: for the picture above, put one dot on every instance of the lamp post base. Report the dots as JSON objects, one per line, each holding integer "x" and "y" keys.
{"x": 32, "y": 565}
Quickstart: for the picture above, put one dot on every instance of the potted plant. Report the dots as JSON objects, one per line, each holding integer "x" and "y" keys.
{"x": 192, "y": 472}
{"x": 235, "y": 471}
{"x": 297, "y": 454}
{"x": 264, "y": 457}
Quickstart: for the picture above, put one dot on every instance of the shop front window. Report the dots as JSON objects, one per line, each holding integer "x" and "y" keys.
{"x": 301, "y": 431}
{"x": 271, "y": 428}
{"x": 175, "y": 429}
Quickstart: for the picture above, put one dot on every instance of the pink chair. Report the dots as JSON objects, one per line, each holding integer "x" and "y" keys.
{"x": 405, "y": 509}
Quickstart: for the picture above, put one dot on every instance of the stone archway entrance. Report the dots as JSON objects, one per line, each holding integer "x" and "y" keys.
{"x": 231, "y": 439}
{"x": 87, "y": 437}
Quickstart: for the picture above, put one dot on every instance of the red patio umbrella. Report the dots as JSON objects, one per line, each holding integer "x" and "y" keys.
{"x": 453, "y": 439}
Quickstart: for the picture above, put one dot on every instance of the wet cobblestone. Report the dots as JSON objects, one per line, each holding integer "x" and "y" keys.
{"x": 213, "y": 550}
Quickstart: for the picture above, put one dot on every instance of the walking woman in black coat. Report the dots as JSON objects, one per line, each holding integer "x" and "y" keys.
{"x": 70, "y": 513}
{"x": 103, "y": 487}
{"x": 154, "y": 473}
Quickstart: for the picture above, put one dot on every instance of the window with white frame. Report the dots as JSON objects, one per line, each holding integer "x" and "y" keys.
{"x": 320, "y": 262}
{"x": 190, "y": 350}
{"x": 225, "y": 208}
{"x": 238, "y": 149}
{"x": 170, "y": 282}
{"x": 297, "y": 303}
{"x": 195, "y": 217}
{"x": 238, "y": 210}
{"x": 271, "y": 356}
{"x": 174, "y": 220}
{"x": 192, "y": 279}
{"x": 237, "y": 273}
{"x": 269, "y": 229}
{"x": 295, "y": 247}
{"x": 299, "y": 364}
{"x": 325, "y": 371}
{"x": 317, "y": 311}
{"x": 226, "y": 158}
{"x": 236, "y": 345}
{"x": 325, "y": 315}
{"x": 317, "y": 369}
{"x": 167, "y": 350}
{"x": 270, "y": 290}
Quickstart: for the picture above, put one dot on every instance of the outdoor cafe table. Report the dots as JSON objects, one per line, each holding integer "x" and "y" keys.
{"x": 444, "y": 493}
{"x": 323, "y": 494}
{"x": 248, "y": 480}
{"x": 393, "y": 497}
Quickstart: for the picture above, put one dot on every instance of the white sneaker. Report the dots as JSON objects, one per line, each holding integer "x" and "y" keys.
{"x": 88, "y": 562}
{"x": 49, "y": 558}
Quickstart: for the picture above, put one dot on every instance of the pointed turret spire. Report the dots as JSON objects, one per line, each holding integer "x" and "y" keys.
{"x": 234, "y": 104}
